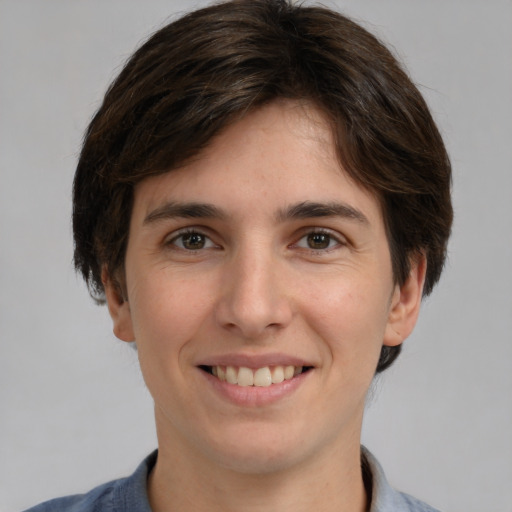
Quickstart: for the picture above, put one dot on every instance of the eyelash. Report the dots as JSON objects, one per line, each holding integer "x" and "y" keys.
{"x": 190, "y": 232}
{"x": 209, "y": 244}
{"x": 337, "y": 239}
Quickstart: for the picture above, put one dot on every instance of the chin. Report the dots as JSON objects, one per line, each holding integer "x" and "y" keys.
{"x": 267, "y": 454}
{"x": 259, "y": 461}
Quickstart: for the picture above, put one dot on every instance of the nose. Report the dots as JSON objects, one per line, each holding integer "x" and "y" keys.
{"x": 254, "y": 301}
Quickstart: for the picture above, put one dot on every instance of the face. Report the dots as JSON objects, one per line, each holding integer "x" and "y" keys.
{"x": 259, "y": 290}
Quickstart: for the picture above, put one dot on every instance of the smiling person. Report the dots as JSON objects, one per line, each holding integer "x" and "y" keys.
{"x": 262, "y": 200}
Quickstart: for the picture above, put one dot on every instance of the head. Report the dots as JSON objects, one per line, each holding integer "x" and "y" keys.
{"x": 204, "y": 72}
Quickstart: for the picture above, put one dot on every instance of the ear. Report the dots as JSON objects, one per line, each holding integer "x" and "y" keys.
{"x": 118, "y": 307}
{"x": 405, "y": 304}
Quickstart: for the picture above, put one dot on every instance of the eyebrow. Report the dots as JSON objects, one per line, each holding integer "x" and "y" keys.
{"x": 173, "y": 210}
{"x": 308, "y": 210}
{"x": 302, "y": 210}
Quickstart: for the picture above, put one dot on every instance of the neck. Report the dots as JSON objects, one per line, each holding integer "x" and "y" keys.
{"x": 185, "y": 480}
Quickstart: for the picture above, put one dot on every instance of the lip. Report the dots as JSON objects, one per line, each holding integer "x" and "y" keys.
{"x": 255, "y": 361}
{"x": 253, "y": 396}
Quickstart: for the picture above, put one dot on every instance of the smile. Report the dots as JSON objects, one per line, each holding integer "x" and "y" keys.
{"x": 260, "y": 377}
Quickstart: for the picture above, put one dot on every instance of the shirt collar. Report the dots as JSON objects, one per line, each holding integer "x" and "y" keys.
{"x": 131, "y": 493}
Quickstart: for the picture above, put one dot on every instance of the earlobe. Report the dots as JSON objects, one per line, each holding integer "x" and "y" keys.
{"x": 118, "y": 307}
{"x": 405, "y": 304}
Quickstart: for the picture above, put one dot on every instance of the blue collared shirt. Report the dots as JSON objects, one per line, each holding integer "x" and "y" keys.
{"x": 130, "y": 494}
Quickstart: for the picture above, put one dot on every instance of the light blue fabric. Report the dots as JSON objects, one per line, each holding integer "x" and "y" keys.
{"x": 384, "y": 497}
{"x": 130, "y": 494}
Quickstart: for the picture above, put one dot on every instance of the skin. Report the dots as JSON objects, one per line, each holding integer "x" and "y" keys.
{"x": 248, "y": 281}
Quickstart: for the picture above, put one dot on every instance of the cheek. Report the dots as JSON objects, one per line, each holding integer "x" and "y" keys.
{"x": 166, "y": 312}
{"x": 349, "y": 315}
{"x": 167, "y": 315}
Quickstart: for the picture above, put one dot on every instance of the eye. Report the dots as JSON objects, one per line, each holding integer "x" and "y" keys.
{"x": 192, "y": 241}
{"x": 318, "y": 241}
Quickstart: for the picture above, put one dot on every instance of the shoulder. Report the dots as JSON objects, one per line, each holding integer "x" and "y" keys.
{"x": 99, "y": 499}
{"x": 412, "y": 504}
{"x": 123, "y": 495}
{"x": 384, "y": 497}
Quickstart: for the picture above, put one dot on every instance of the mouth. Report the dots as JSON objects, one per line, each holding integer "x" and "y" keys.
{"x": 259, "y": 377}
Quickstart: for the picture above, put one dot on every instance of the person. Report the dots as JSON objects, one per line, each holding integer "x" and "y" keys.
{"x": 262, "y": 200}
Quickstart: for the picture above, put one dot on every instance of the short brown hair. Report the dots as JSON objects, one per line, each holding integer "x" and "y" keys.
{"x": 209, "y": 68}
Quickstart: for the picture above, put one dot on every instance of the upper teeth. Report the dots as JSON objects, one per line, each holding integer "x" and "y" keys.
{"x": 265, "y": 376}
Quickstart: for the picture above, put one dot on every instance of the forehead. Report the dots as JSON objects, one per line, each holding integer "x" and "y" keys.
{"x": 281, "y": 154}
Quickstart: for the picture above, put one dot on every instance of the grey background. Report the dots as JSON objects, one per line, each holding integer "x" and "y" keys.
{"x": 74, "y": 409}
